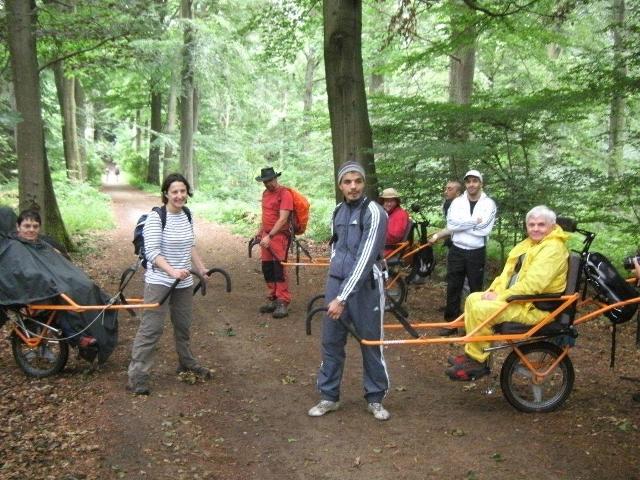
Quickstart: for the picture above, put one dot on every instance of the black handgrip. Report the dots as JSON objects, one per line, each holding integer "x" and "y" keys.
{"x": 170, "y": 291}
{"x": 252, "y": 242}
{"x": 310, "y": 316}
{"x": 201, "y": 283}
{"x": 403, "y": 321}
{"x": 125, "y": 278}
{"x": 177, "y": 281}
{"x": 396, "y": 307}
{"x": 226, "y": 276}
{"x": 348, "y": 325}
{"x": 313, "y": 301}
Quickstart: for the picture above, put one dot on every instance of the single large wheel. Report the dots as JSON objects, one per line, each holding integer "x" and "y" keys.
{"x": 397, "y": 292}
{"x": 48, "y": 358}
{"x": 528, "y": 394}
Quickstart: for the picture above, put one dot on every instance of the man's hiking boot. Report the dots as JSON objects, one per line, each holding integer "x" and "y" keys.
{"x": 468, "y": 370}
{"x": 269, "y": 307}
{"x": 281, "y": 310}
{"x": 322, "y": 408}
{"x": 198, "y": 370}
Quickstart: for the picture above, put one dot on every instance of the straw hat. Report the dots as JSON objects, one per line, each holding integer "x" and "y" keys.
{"x": 388, "y": 193}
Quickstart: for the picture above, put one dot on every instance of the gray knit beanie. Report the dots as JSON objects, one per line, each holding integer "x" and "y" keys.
{"x": 349, "y": 167}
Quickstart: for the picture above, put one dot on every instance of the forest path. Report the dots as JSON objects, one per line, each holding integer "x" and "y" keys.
{"x": 250, "y": 421}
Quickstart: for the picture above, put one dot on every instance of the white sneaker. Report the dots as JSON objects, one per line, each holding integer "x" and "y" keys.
{"x": 325, "y": 406}
{"x": 378, "y": 411}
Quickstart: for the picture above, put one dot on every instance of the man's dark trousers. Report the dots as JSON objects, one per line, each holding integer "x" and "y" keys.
{"x": 463, "y": 263}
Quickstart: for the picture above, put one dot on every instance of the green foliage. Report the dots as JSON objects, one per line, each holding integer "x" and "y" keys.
{"x": 9, "y": 194}
{"x": 243, "y": 218}
{"x": 537, "y": 126}
{"x": 83, "y": 208}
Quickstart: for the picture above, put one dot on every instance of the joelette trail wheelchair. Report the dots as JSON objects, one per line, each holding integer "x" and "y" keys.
{"x": 38, "y": 344}
{"x": 537, "y": 374}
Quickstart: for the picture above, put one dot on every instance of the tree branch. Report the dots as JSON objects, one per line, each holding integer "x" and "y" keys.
{"x": 83, "y": 50}
{"x": 473, "y": 4}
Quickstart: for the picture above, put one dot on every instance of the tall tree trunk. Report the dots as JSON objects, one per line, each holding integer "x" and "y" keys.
{"x": 81, "y": 123}
{"x": 65, "y": 88}
{"x": 186, "y": 95}
{"x": 312, "y": 64}
{"x": 34, "y": 181}
{"x": 170, "y": 126}
{"x": 138, "y": 136}
{"x": 350, "y": 129}
{"x": 196, "y": 121}
{"x": 462, "y": 63}
{"x": 618, "y": 101}
{"x": 153, "y": 171}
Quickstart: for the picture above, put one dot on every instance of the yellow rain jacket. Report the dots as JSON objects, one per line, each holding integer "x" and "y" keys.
{"x": 543, "y": 270}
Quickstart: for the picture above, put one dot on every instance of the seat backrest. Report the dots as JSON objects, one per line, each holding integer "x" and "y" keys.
{"x": 573, "y": 274}
{"x": 573, "y": 282}
{"x": 407, "y": 232}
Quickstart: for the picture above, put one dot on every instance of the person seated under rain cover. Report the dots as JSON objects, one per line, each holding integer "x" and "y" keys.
{"x": 34, "y": 272}
{"x": 537, "y": 265}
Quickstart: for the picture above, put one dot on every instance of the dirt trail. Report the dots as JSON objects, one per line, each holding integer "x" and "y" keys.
{"x": 250, "y": 422}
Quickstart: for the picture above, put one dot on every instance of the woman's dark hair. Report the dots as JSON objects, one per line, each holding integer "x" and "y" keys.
{"x": 29, "y": 215}
{"x": 174, "y": 177}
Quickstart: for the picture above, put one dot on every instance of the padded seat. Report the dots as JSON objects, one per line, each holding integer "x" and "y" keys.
{"x": 554, "y": 328}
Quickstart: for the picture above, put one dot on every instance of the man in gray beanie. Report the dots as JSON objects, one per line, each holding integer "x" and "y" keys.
{"x": 354, "y": 292}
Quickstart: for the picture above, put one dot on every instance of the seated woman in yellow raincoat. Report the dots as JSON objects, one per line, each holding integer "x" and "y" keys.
{"x": 536, "y": 265}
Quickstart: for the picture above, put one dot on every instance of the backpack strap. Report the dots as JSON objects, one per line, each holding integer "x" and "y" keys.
{"x": 187, "y": 212}
{"x": 334, "y": 236}
{"x": 365, "y": 205}
{"x": 162, "y": 213}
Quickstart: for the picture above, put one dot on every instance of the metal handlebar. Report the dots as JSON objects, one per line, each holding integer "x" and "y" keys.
{"x": 202, "y": 284}
{"x": 348, "y": 325}
{"x": 177, "y": 281}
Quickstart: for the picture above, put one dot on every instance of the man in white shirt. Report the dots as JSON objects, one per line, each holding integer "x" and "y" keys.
{"x": 470, "y": 219}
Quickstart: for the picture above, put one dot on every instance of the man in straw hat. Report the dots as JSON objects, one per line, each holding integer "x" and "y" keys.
{"x": 275, "y": 236}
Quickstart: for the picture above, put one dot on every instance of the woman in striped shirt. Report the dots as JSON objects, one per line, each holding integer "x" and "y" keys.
{"x": 170, "y": 253}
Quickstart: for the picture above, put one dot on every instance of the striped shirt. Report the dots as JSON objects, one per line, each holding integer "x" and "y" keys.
{"x": 174, "y": 243}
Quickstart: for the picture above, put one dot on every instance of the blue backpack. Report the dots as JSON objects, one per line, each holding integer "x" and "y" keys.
{"x": 138, "y": 237}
